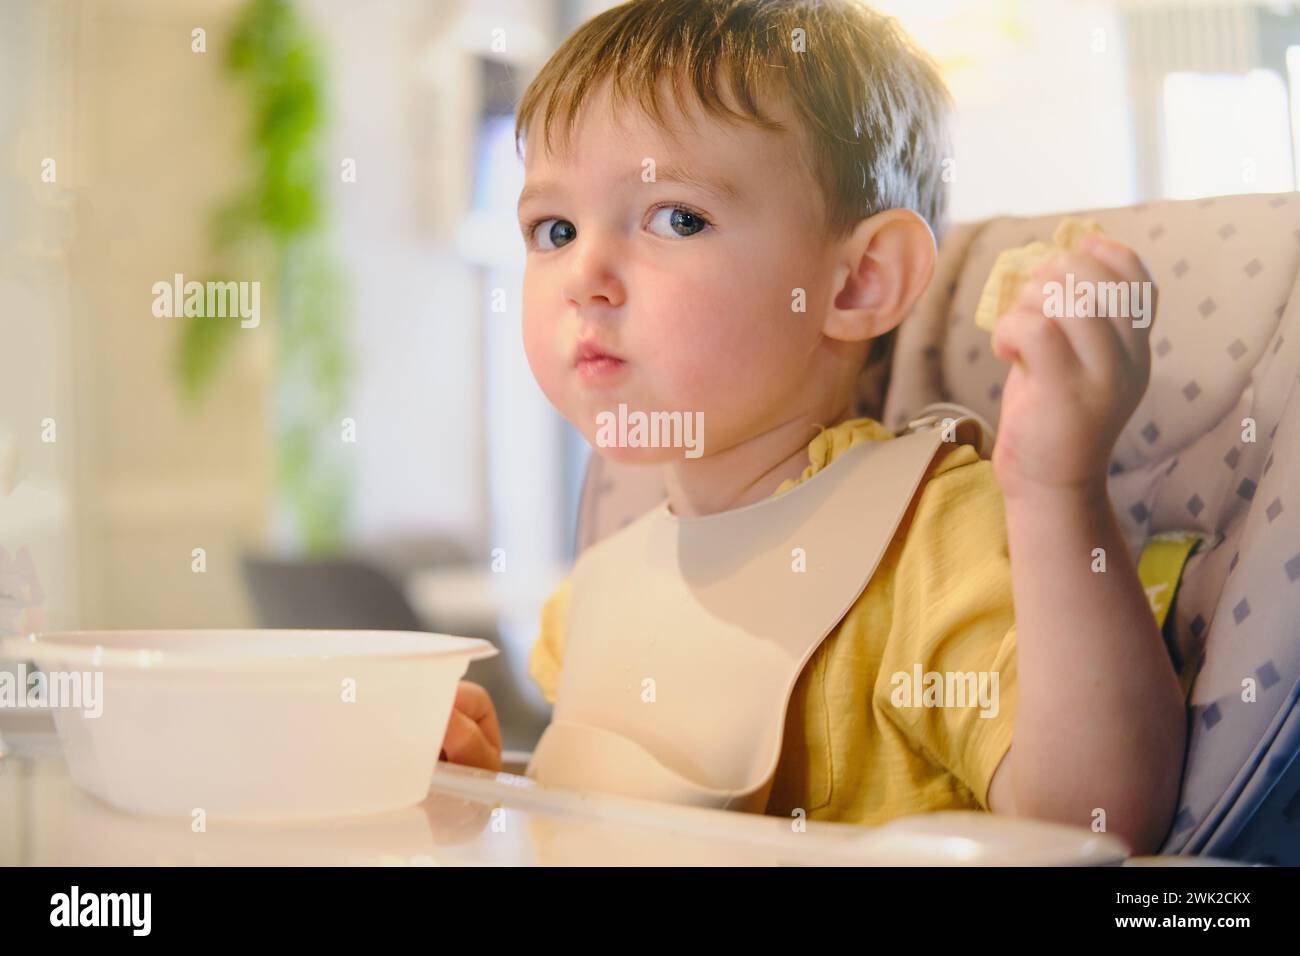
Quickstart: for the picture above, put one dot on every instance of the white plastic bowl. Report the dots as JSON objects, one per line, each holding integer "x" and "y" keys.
{"x": 256, "y": 724}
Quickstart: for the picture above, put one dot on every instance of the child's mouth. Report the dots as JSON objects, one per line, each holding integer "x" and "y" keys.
{"x": 599, "y": 368}
{"x": 596, "y": 366}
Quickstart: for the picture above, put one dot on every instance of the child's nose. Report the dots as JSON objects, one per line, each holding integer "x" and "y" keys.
{"x": 594, "y": 276}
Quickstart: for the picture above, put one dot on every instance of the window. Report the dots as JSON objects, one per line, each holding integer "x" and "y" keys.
{"x": 1226, "y": 133}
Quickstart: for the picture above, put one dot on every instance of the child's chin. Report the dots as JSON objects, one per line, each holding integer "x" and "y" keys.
{"x": 639, "y": 456}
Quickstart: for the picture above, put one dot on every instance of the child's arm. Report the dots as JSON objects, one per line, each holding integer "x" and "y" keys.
{"x": 1100, "y": 723}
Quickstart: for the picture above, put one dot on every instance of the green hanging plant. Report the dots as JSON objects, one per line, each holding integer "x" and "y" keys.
{"x": 279, "y": 218}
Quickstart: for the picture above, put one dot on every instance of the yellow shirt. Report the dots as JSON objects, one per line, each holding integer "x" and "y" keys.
{"x": 856, "y": 747}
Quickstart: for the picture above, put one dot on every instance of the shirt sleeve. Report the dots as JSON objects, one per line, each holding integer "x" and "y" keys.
{"x": 948, "y": 672}
{"x": 548, "y": 652}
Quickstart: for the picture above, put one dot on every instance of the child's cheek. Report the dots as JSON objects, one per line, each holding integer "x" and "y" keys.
{"x": 692, "y": 343}
{"x": 719, "y": 356}
{"x": 543, "y": 351}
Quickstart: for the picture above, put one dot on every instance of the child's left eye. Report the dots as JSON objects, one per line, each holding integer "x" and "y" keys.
{"x": 678, "y": 222}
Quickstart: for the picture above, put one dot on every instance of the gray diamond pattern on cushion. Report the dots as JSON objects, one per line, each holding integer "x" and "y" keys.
{"x": 1241, "y": 611}
{"x": 1267, "y": 674}
{"x": 1210, "y": 716}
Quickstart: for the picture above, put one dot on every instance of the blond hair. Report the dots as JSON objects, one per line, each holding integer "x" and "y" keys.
{"x": 874, "y": 108}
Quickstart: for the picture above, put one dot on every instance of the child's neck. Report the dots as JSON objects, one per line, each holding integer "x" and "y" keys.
{"x": 744, "y": 473}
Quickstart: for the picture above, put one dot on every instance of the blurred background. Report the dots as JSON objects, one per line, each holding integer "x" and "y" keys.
{"x": 368, "y": 447}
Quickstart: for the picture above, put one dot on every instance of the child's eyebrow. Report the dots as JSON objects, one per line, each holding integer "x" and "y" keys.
{"x": 670, "y": 173}
{"x": 677, "y": 173}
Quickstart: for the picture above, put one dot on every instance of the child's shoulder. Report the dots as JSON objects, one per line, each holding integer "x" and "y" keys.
{"x": 962, "y": 470}
{"x": 959, "y": 509}
{"x": 957, "y": 469}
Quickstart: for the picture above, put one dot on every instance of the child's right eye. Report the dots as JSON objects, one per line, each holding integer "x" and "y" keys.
{"x": 557, "y": 232}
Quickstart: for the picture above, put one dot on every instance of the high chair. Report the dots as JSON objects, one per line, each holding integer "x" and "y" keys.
{"x": 1213, "y": 448}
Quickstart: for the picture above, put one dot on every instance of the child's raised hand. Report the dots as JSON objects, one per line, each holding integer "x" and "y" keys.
{"x": 1077, "y": 378}
{"x": 473, "y": 735}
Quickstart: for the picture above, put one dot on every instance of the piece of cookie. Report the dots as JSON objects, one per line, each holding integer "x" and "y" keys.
{"x": 1013, "y": 267}
{"x": 1011, "y": 270}
{"x": 1071, "y": 230}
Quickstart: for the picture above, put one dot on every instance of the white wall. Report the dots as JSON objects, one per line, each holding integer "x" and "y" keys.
{"x": 416, "y": 324}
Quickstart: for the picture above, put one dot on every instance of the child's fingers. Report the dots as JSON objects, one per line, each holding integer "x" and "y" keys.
{"x": 473, "y": 734}
{"x": 466, "y": 743}
{"x": 1105, "y": 344}
{"x": 1120, "y": 258}
{"x": 1024, "y": 334}
{"x": 1139, "y": 290}
{"x": 475, "y": 702}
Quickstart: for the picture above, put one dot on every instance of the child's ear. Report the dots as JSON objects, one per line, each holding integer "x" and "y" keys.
{"x": 885, "y": 264}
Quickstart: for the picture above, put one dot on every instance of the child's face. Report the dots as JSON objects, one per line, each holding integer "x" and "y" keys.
{"x": 703, "y": 316}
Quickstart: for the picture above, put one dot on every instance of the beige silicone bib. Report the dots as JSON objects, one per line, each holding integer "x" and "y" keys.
{"x": 685, "y": 636}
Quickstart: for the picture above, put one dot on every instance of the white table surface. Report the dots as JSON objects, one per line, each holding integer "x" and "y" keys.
{"x": 473, "y": 817}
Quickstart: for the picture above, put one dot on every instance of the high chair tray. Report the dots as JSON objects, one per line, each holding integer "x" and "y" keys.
{"x": 473, "y": 817}
{"x": 951, "y": 838}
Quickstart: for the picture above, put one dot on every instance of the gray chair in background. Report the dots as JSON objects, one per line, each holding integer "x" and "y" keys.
{"x": 330, "y": 593}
